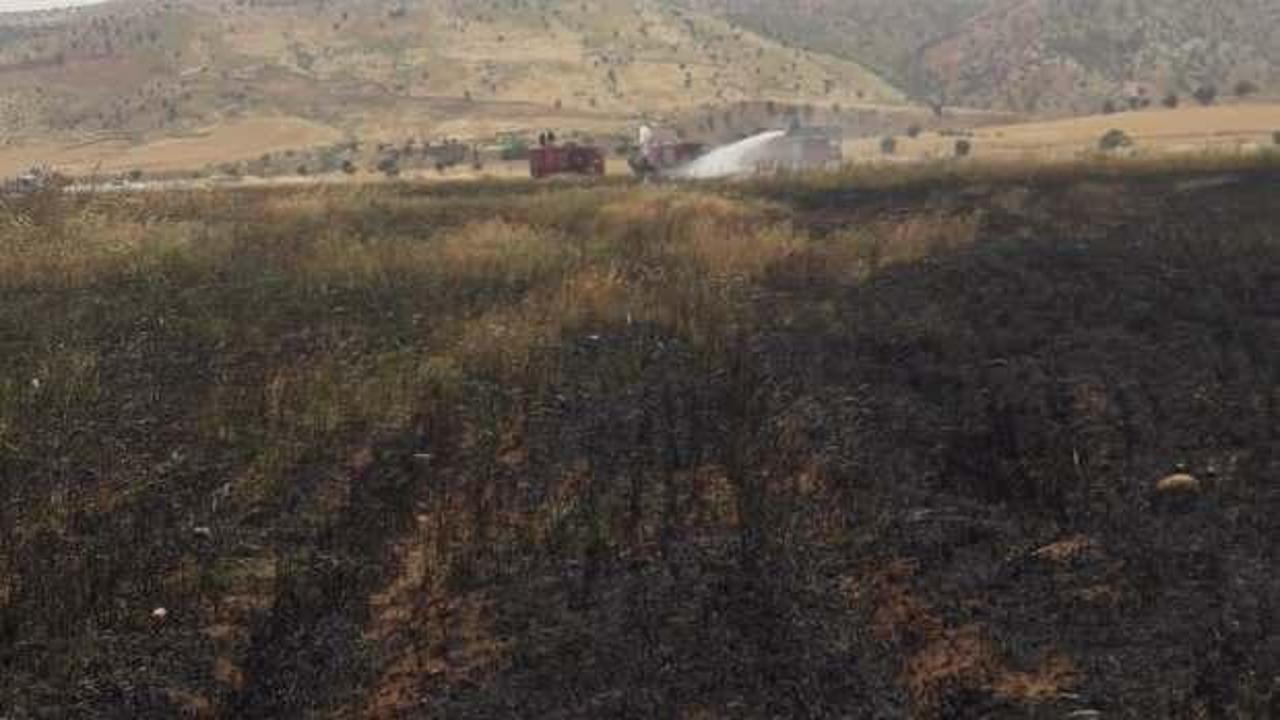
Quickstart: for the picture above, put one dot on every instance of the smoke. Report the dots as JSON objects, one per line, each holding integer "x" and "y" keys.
{"x": 740, "y": 158}
{"x": 7, "y": 6}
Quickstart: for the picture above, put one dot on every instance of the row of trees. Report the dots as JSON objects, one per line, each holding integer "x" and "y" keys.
{"x": 1205, "y": 95}
{"x": 889, "y": 144}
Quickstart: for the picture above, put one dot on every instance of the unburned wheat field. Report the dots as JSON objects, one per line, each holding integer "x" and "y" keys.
{"x": 778, "y": 449}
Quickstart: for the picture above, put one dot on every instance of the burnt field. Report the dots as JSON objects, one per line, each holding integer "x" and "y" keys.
{"x": 772, "y": 450}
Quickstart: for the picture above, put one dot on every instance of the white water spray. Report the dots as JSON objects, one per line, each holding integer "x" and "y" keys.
{"x": 739, "y": 158}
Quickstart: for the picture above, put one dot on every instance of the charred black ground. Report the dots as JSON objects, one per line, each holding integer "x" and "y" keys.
{"x": 518, "y": 451}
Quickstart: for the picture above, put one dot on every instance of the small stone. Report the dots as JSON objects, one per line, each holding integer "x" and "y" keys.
{"x": 202, "y": 531}
{"x": 1178, "y": 484}
{"x": 159, "y": 613}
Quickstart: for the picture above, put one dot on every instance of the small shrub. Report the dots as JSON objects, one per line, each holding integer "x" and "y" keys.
{"x": 348, "y": 167}
{"x": 1205, "y": 94}
{"x": 389, "y": 167}
{"x": 1275, "y": 137}
{"x": 914, "y": 131}
{"x": 1115, "y": 139}
{"x": 1171, "y": 100}
{"x": 1109, "y": 107}
{"x": 889, "y": 145}
{"x": 1245, "y": 88}
{"x": 963, "y": 148}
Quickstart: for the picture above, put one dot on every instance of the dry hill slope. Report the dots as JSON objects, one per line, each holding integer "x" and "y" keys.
{"x": 392, "y": 69}
{"x": 1035, "y": 55}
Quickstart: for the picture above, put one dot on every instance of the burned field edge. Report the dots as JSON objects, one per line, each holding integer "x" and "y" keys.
{"x": 515, "y": 450}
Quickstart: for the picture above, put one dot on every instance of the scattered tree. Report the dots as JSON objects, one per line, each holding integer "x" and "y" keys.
{"x": 913, "y": 131}
{"x": 1114, "y": 140}
{"x": 1275, "y": 137}
{"x": 963, "y": 148}
{"x": 1171, "y": 100}
{"x": 1109, "y": 107}
{"x": 928, "y": 85}
{"x": 389, "y": 166}
{"x": 1245, "y": 88}
{"x": 1206, "y": 94}
{"x": 348, "y": 167}
{"x": 889, "y": 145}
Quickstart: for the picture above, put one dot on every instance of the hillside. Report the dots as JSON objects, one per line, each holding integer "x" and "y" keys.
{"x": 1060, "y": 55}
{"x": 883, "y": 34}
{"x": 1040, "y": 56}
{"x": 129, "y": 69}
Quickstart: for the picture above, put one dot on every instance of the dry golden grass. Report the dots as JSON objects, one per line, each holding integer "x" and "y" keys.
{"x": 86, "y": 244}
{"x": 303, "y": 405}
{"x": 1067, "y": 550}
{"x": 1055, "y": 676}
{"x": 954, "y": 658}
{"x": 917, "y": 237}
{"x": 233, "y": 141}
{"x": 726, "y": 254}
{"x": 496, "y": 250}
{"x": 487, "y": 252}
{"x": 1227, "y": 128}
{"x": 504, "y": 341}
{"x": 1025, "y": 169}
{"x": 939, "y": 659}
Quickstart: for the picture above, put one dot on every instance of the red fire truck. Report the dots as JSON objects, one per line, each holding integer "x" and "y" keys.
{"x": 569, "y": 159}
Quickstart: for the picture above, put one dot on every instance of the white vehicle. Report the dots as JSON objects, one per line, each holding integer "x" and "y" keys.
{"x": 35, "y": 180}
